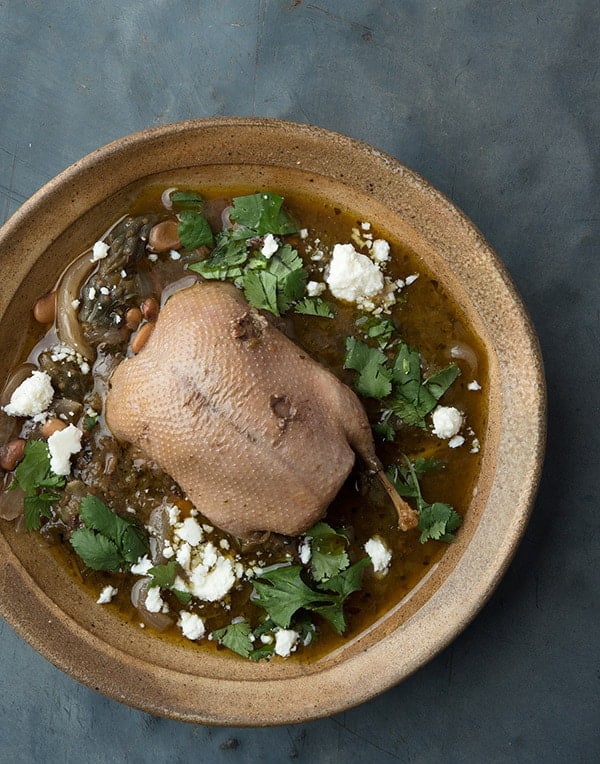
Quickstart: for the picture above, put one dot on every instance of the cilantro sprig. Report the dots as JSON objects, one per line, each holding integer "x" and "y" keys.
{"x": 438, "y": 520}
{"x": 407, "y": 394}
{"x": 283, "y": 592}
{"x": 164, "y": 577}
{"x": 34, "y": 477}
{"x": 107, "y": 541}
{"x": 272, "y": 283}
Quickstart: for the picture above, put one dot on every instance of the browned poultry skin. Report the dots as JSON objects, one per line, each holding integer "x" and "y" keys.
{"x": 258, "y": 435}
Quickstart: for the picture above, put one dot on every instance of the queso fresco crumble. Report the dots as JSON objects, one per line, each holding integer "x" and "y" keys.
{"x": 354, "y": 300}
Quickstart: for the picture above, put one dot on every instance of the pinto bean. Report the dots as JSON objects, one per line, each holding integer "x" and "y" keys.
{"x": 164, "y": 236}
{"x": 12, "y": 453}
{"x": 150, "y": 309}
{"x": 44, "y": 309}
{"x": 52, "y": 425}
{"x": 142, "y": 337}
{"x": 133, "y": 318}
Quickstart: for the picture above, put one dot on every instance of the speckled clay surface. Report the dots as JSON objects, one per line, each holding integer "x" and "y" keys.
{"x": 47, "y": 608}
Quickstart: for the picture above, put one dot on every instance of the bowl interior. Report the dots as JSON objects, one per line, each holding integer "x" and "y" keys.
{"x": 42, "y": 601}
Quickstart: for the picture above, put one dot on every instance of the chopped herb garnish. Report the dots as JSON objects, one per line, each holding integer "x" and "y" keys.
{"x": 436, "y": 521}
{"x": 262, "y": 213}
{"x": 89, "y": 422}
{"x": 34, "y": 470}
{"x": 33, "y": 476}
{"x": 164, "y": 577}
{"x": 328, "y": 552}
{"x": 186, "y": 199}
{"x": 194, "y": 230}
{"x": 377, "y": 328}
{"x": 237, "y": 637}
{"x": 314, "y": 306}
{"x": 374, "y": 378}
{"x": 107, "y": 541}
{"x": 282, "y": 592}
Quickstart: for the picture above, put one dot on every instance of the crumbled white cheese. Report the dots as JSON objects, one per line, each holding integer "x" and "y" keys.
{"x": 305, "y": 551}
{"x": 189, "y": 530}
{"x": 365, "y": 226}
{"x": 304, "y": 233}
{"x": 270, "y": 246}
{"x": 32, "y": 396}
{"x": 104, "y": 290}
{"x": 224, "y": 544}
{"x": 173, "y": 513}
{"x": 75, "y": 304}
{"x": 152, "y": 257}
{"x": 154, "y": 602}
{"x": 380, "y": 251}
{"x": 411, "y": 279}
{"x": 212, "y": 583}
{"x": 91, "y": 293}
{"x": 99, "y": 251}
{"x": 475, "y": 446}
{"x": 456, "y": 441}
{"x": 62, "y": 444}
{"x": 474, "y": 385}
{"x": 184, "y": 555}
{"x": 447, "y": 421}
{"x": 315, "y": 288}
{"x": 174, "y": 255}
{"x": 353, "y": 277}
{"x": 286, "y": 641}
{"x": 142, "y": 566}
{"x": 191, "y": 625}
{"x": 106, "y": 595}
{"x": 379, "y": 553}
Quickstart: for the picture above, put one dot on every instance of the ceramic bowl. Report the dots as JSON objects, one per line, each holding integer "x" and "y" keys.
{"x": 46, "y": 607}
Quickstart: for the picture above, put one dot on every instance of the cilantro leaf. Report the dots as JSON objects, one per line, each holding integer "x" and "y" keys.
{"x": 123, "y": 533}
{"x": 163, "y": 575}
{"x": 89, "y": 422}
{"x": 260, "y": 289}
{"x": 194, "y": 230}
{"x": 262, "y": 213}
{"x": 227, "y": 257}
{"x": 314, "y": 306}
{"x": 183, "y": 597}
{"x": 36, "y": 507}
{"x": 34, "y": 470}
{"x": 186, "y": 199}
{"x": 438, "y": 383}
{"x": 96, "y": 551}
{"x": 328, "y": 552}
{"x": 374, "y": 378}
{"x": 437, "y": 521}
{"x": 281, "y": 592}
{"x": 237, "y": 637}
{"x": 377, "y": 328}
{"x": 347, "y": 581}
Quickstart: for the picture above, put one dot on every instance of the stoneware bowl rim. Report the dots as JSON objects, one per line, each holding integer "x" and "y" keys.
{"x": 104, "y": 655}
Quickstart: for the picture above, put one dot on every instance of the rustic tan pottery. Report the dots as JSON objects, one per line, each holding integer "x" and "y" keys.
{"x": 44, "y": 604}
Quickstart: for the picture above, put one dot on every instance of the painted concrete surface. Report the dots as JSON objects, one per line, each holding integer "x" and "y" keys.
{"x": 497, "y": 104}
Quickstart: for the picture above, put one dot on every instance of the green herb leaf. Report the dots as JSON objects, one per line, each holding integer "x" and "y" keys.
{"x": 438, "y": 521}
{"x": 260, "y": 289}
{"x": 226, "y": 258}
{"x": 96, "y": 551}
{"x": 314, "y": 306}
{"x": 438, "y": 383}
{"x": 194, "y": 230}
{"x": 328, "y": 551}
{"x": 34, "y": 470}
{"x": 237, "y": 637}
{"x": 186, "y": 199}
{"x": 36, "y": 507}
{"x": 374, "y": 378}
{"x": 281, "y": 592}
{"x": 377, "y": 328}
{"x": 124, "y": 533}
{"x": 262, "y": 213}
{"x": 347, "y": 581}
{"x": 163, "y": 575}
{"x": 183, "y": 597}
{"x": 89, "y": 422}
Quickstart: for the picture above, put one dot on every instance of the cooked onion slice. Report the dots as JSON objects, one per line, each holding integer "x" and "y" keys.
{"x": 139, "y": 592}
